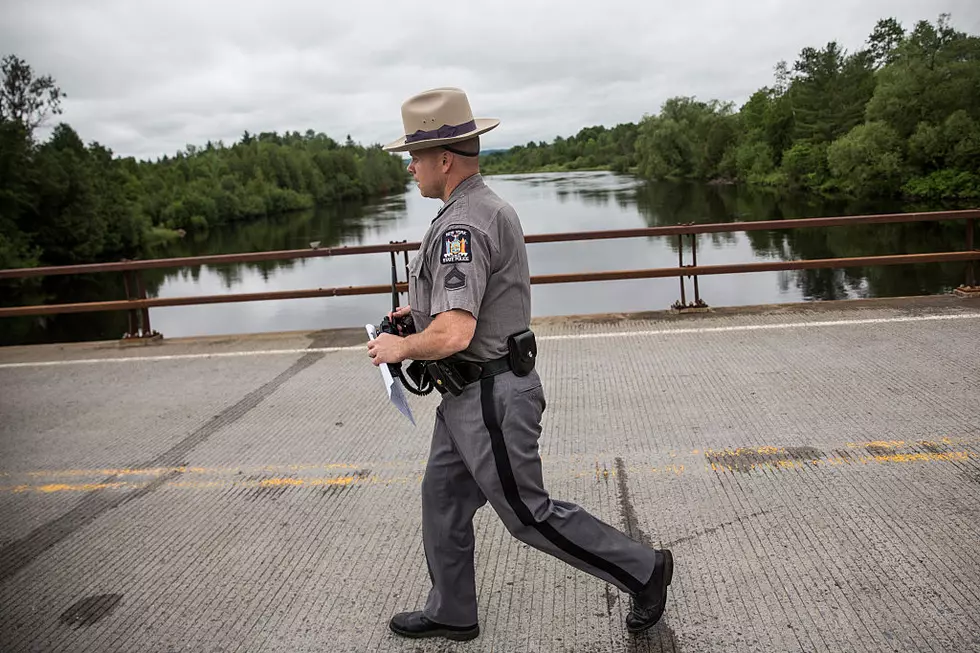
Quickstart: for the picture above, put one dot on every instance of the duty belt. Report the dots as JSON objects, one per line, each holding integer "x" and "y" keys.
{"x": 453, "y": 376}
{"x": 472, "y": 371}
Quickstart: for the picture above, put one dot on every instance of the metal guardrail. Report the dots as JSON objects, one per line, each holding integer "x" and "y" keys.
{"x": 138, "y": 304}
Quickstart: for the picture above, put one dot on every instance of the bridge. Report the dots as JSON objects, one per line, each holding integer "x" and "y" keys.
{"x": 815, "y": 469}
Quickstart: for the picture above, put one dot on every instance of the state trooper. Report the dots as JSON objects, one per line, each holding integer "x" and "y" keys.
{"x": 470, "y": 300}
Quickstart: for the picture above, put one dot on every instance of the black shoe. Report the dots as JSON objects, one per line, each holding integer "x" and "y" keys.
{"x": 415, "y": 625}
{"x": 648, "y": 605}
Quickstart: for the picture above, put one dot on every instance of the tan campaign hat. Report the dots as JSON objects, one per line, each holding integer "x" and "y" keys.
{"x": 438, "y": 117}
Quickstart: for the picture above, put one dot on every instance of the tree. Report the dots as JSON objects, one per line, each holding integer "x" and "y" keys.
{"x": 24, "y": 98}
{"x": 68, "y": 223}
{"x": 830, "y": 92}
{"x": 883, "y": 43}
{"x": 688, "y": 139}
{"x": 17, "y": 197}
{"x": 934, "y": 72}
{"x": 868, "y": 160}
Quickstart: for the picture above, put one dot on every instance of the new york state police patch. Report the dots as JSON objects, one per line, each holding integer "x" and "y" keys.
{"x": 456, "y": 246}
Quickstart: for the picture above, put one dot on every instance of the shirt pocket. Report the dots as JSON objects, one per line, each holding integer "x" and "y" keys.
{"x": 418, "y": 287}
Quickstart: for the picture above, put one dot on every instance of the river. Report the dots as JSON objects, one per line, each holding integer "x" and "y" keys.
{"x": 551, "y": 202}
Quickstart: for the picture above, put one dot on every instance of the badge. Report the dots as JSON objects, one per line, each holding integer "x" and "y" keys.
{"x": 456, "y": 246}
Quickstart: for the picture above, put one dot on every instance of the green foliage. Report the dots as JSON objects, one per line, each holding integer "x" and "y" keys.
{"x": 933, "y": 72}
{"x": 945, "y": 184}
{"x": 829, "y": 93}
{"x": 868, "y": 160}
{"x": 16, "y": 197}
{"x": 687, "y": 140}
{"x": 881, "y": 121}
{"x": 883, "y": 43}
{"x": 753, "y": 161}
{"x": 24, "y": 98}
{"x": 805, "y": 165}
{"x": 591, "y": 149}
{"x": 261, "y": 175}
{"x": 64, "y": 202}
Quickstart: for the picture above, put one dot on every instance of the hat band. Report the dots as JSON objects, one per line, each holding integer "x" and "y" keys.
{"x": 446, "y": 131}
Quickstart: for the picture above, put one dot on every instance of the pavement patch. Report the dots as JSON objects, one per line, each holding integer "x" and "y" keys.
{"x": 745, "y": 459}
{"x": 90, "y": 610}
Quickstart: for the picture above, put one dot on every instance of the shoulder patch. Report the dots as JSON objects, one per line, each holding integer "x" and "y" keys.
{"x": 456, "y": 246}
{"x": 455, "y": 279}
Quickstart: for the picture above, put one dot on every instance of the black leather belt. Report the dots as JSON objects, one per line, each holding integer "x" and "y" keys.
{"x": 473, "y": 371}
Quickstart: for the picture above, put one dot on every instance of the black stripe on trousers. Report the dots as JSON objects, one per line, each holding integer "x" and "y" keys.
{"x": 509, "y": 483}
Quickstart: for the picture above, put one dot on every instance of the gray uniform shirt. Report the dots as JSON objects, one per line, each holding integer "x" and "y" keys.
{"x": 473, "y": 258}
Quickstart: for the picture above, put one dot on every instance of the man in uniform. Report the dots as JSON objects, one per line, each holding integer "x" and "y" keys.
{"x": 469, "y": 291}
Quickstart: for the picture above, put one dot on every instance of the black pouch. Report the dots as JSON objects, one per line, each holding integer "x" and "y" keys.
{"x": 417, "y": 373}
{"x": 522, "y": 350}
{"x": 445, "y": 377}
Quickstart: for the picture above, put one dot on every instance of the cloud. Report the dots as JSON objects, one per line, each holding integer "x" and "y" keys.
{"x": 149, "y": 78}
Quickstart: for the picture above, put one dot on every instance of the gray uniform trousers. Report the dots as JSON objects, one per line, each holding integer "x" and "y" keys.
{"x": 485, "y": 448}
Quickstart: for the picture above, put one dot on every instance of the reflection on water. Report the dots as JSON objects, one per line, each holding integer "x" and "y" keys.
{"x": 546, "y": 203}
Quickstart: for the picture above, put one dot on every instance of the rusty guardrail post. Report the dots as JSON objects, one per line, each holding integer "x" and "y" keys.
{"x": 970, "y": 287}
{"x": 138, "y": 318}
{"x": 698, "y": 303}
{"x": 147, "y": 331}
{"x": 408, "y": 275}
{"x": 680, "y": 276}
{"x": 394, "y": 276}
{"x": 971, "y": 279}
{"x": 133, "y": 331}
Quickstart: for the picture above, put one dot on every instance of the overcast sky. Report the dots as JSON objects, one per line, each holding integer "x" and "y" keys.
{"x": 148, "y": 78}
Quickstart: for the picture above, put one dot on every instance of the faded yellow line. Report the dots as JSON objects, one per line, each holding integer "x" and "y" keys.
{"x": 597, "y": 473}
{"x": 402, "y": 464}
{"x": 898, "y": 458}
{"x": 299, "y": 482}
{"x": 898, "y": 444}
{"x": 160, "y": 471}
{"x": 925, "y": 457}
{"x": 305, "y": 475}
{"x": 197, "y": 485}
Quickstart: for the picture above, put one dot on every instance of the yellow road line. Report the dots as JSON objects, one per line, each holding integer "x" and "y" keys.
{"x": 729, "y": 461}
{"x": 877, "y": 447}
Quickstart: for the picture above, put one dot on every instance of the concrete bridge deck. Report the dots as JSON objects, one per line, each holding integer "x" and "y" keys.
{"x": 815, "y": 469}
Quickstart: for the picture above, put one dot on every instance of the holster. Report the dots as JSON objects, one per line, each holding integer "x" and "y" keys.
{"x": 446, "y": 377}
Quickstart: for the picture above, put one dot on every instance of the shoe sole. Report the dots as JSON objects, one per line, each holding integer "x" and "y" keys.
{"x": 455, "y": 635}
{"x": 669, "y": 574}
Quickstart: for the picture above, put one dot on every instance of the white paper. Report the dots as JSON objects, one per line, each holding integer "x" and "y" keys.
{"x": 395, "y": 391}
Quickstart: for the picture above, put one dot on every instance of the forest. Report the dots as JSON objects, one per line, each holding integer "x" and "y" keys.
{"x": 898, "y": 118}
{"x": 63, "y": 201}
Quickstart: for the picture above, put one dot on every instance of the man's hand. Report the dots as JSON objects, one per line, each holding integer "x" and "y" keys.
{"x": 401, "y": 311}
{"x": 386, "y": 348}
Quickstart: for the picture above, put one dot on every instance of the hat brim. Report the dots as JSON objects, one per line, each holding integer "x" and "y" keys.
{"x": 483, "y": 125}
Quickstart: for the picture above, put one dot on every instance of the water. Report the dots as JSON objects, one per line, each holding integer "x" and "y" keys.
{"x": 553, "y": 202}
